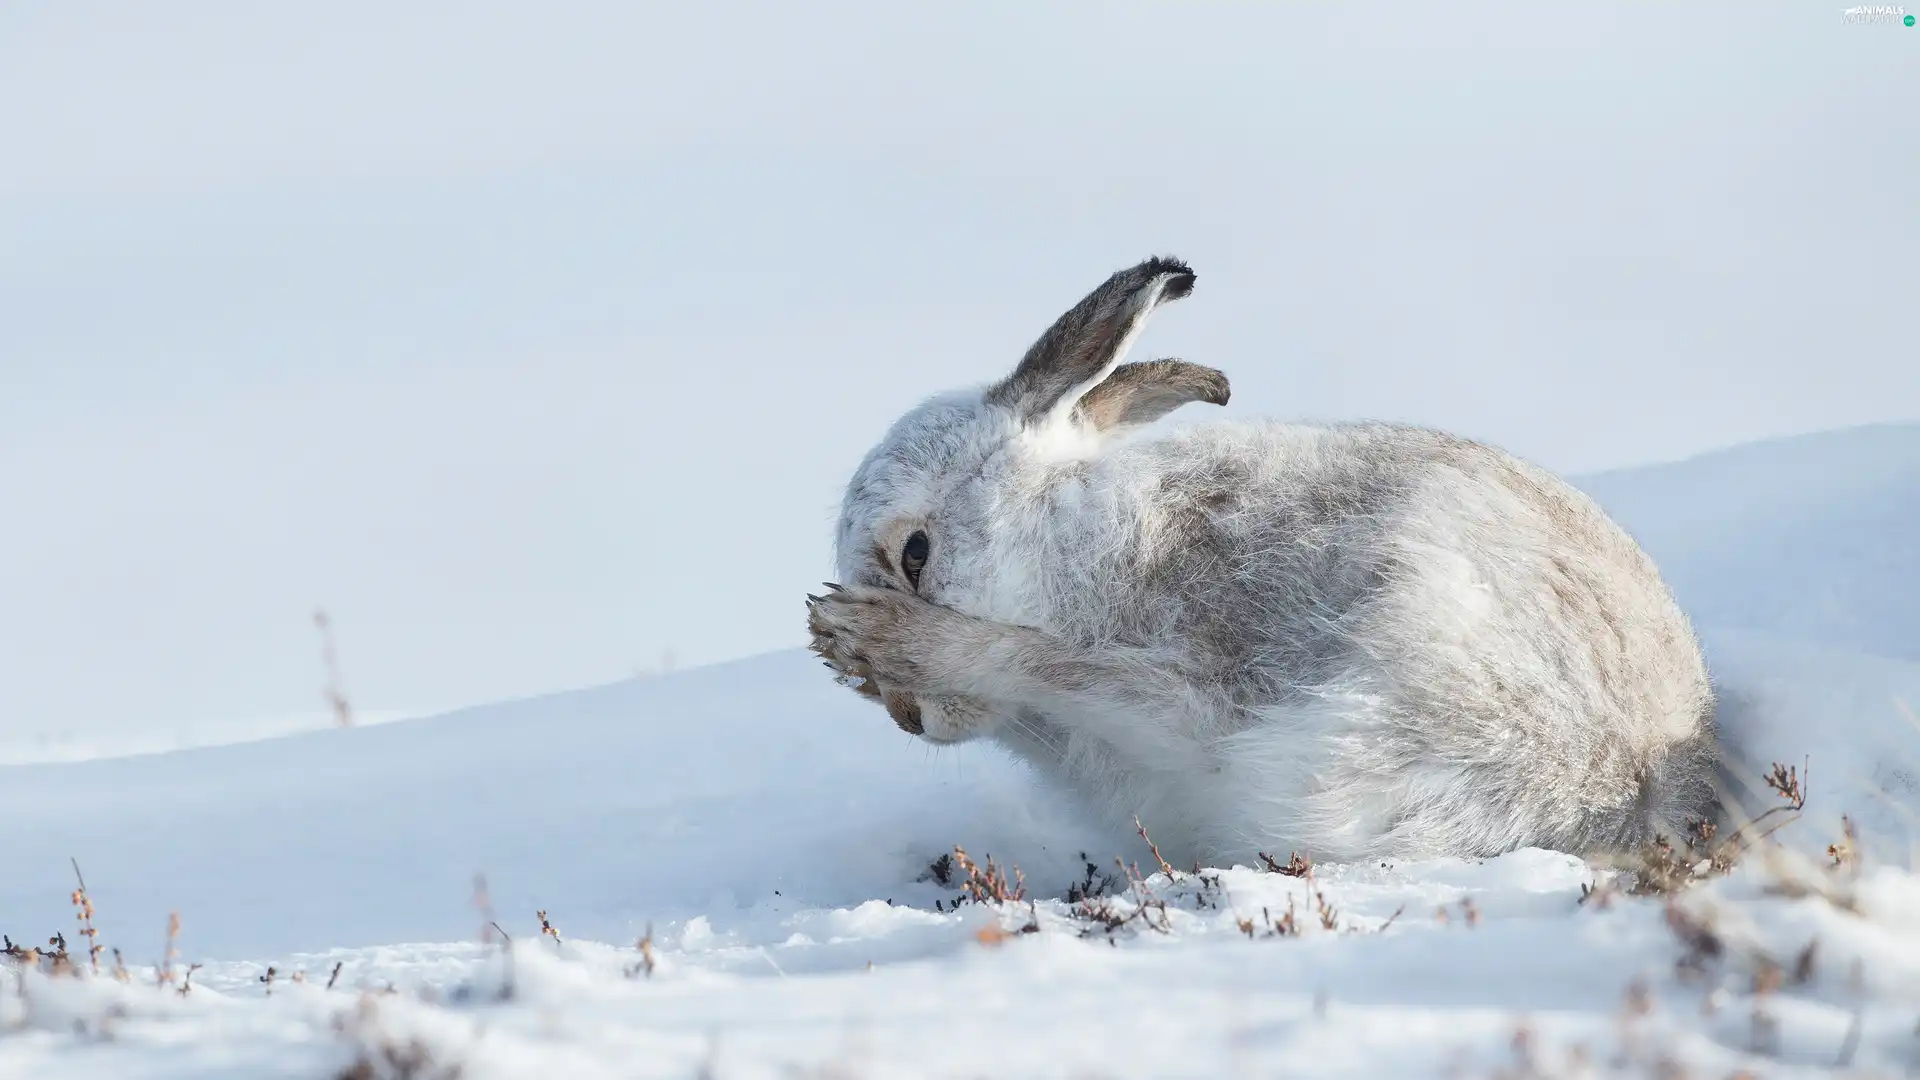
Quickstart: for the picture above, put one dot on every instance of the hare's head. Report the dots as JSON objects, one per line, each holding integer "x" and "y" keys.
{"x": 913, "y": 514}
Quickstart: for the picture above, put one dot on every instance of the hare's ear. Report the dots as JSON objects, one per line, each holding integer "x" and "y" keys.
{"x": 1083, "y": 346}
{"x": 1142, "y": 393}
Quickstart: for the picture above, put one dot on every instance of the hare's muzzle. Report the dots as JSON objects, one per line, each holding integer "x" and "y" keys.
{"x": 904, "y": 710}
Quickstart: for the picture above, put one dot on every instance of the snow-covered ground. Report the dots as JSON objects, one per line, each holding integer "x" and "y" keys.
{"x": 771, "y": 837}
{"x": 29, "y": 748}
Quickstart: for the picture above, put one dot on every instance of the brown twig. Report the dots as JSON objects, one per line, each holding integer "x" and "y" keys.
{"x": 483, "y": 901}
{"x": 647, "y": 961}
{"x": 163, "y": 973}
{"x": 1295, "y": 866}
{"x": 1165, "y": 867}
{"x": 84, "y": 905}
{"x": 989, "y": 884}
{"x": 335, "y": 689}
{"x": 1329, "y": 915}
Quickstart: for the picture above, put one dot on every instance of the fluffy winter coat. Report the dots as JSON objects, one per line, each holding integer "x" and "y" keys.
{"x": 1358, "y": 641}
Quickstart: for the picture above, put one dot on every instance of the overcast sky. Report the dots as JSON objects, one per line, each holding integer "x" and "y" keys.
{"x": 534, "y": 339}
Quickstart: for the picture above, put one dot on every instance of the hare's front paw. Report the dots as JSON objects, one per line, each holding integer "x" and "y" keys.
{"x": 879, "y": 635}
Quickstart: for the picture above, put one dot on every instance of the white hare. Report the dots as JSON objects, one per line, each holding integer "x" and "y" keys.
{"x": 1359, "y": 641}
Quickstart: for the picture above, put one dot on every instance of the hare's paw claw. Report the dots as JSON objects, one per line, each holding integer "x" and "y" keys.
{"x": 869, "y": 633}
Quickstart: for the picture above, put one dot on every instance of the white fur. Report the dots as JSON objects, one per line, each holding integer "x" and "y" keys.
{"x": 1355, "y": 641}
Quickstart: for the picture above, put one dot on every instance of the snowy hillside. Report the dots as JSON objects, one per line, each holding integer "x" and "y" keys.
{"x": 777, "y": 838}
{"x": 1830, "y": 522}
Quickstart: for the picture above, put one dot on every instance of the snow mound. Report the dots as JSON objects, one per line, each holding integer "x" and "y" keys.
{"x": 700, "y": 793}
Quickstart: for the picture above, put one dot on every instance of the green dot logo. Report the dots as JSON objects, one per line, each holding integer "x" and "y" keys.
{"x": 1908, "y": 20}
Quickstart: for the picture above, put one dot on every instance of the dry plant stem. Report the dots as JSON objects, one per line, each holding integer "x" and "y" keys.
{"x": 59, "y": 961}
{"x": 942, "y": 870}
{"x": 1285, "y": 926}
{"x": 1786, "y": 815}
{"x": 1295, "y": 866}
{"x": 1789, "y": 784}
{"x": 164, "y": 971}
{"x": 84, "y": 905}
{"x": 989, "y": 884}
{"x": 1662, "y": 868}
{"x": 1165, "y": 867}
{"x": 1844, "y": 852}
{"x": 330, "y": 658}
{"x": 647, "y": 961}
{"x": 1786, "y": 782}
{"x": 1329, "y": 915}
{"x": 483, "y": 901}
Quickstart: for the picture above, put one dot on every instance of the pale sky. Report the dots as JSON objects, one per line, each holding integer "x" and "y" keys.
{"x": 533, "y": 339}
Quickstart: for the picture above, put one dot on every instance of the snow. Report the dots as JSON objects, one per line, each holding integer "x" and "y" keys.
{"x": 1827, "y": 521}
{"x": 774, "y": 834}
{"x": 24, "y": 748}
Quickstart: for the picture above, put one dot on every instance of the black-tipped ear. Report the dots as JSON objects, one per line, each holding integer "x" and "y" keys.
{"x": 1145, "y": 392}
{"x": 1086, "y": 343}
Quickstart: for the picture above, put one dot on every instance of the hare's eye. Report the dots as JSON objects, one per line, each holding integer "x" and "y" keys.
{"x": 913, "y": 557}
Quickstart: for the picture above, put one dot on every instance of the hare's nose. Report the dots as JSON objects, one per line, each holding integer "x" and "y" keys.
{"x": 904, "y": 710}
